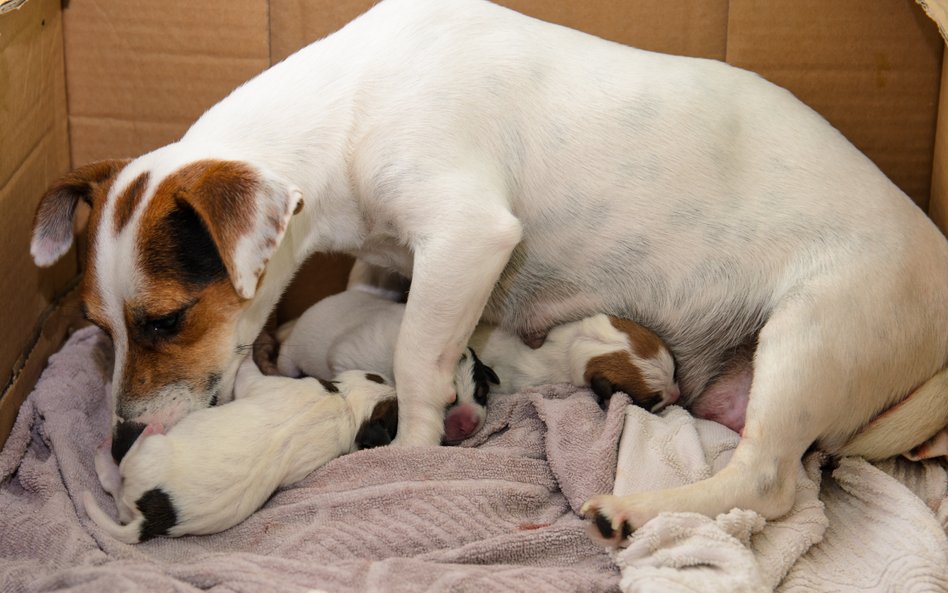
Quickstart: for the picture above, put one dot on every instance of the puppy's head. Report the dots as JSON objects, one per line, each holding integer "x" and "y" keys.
{"x": 644, "y": 368}
{"x": 173, "y": 272}
{"x": 472, "y": 382}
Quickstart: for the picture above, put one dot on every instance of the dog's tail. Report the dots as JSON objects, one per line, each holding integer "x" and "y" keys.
{"x": 130, "y": 533}
{"x": 907, "y": 424}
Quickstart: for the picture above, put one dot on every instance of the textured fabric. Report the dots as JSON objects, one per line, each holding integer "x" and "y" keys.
{"x": 861, "y": 527}
{"x": 495, "y": 514}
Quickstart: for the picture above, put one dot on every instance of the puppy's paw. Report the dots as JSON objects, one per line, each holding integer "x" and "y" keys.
{"x": 610, "y": 519}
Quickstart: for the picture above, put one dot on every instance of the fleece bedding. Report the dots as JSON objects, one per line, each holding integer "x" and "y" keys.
{"x": 498, "y": 513}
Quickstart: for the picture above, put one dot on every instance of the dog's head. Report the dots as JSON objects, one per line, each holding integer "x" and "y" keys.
{"x": 174, "y": 270}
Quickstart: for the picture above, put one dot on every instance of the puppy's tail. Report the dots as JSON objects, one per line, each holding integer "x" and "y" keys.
{"x": 907, "y": 424}
{"x": 130, "y": 534}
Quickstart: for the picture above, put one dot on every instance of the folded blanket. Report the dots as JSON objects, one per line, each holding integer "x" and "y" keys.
{"x": 858, "y": 527}
{"x": 498, "y": 513}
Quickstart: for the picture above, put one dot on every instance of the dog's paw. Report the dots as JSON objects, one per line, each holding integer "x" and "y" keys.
{"x": 611, "y": 519}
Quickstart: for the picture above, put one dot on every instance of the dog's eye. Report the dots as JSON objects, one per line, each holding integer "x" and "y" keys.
{"x": 166, "y": 325}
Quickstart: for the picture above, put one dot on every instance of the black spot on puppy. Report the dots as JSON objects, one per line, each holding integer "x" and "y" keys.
{"x": 329, "y": 386}
{"x": 159, "y": 513}
{"x": 124, "y": 437}
{"x": 374, "y": 378}
{"x": 381, "y": 427}
{"x": 483, "y": 377}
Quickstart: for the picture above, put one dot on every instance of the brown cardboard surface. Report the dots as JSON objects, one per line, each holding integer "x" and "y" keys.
{"x": 140, "y": 72}
{"x": 871, "y": 68}
{"x": 296, "y": 23}
{"x": 33, "y": 140}
{"x": 321, "y": 276}
{"x": 686, "y": 27}
{"x": 682, "y": 27}
{"x": 938, "y": 206}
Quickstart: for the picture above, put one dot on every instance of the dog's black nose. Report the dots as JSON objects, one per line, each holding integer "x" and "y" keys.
{"x": 123, "y": 435}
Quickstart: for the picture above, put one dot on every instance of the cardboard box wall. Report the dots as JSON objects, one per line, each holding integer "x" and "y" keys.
{"x": 92, "y": 79}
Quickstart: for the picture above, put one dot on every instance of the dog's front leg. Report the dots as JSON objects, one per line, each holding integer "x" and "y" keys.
{"x": 455, "y": 268}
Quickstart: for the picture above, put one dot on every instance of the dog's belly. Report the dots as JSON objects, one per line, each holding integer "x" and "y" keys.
{"x": 710, "y": 304}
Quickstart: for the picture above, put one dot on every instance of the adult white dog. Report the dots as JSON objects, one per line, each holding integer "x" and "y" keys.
{"x": 527, "y": 174}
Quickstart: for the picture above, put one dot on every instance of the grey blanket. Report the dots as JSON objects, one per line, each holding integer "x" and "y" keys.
{"x": 497, "y": 513}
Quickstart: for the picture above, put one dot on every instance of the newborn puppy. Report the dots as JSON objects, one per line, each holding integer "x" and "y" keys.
{"x": 217, "y": 466}
{"x": 607, "y": 353}
{"x": 355, "y": 329}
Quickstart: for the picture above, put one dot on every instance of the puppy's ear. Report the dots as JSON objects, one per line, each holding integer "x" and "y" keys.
{"x": 52, "y": 224}
{"x": 246, "y": 213}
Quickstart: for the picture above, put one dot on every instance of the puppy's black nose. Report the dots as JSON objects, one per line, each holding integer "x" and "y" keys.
{"x": 123, "y": 435}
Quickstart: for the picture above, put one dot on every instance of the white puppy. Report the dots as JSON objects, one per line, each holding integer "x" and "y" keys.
{"x": 356, "y": 329}
{"x": 217, "y": 466}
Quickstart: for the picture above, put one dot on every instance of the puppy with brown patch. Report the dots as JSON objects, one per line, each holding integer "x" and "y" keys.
{"x": 217, "y": 466}
{"x": 528, "y": 175}
{"x": 358, "y": 329}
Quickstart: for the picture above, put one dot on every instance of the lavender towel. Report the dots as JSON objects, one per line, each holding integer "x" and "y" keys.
{"x": 498, "y": 513}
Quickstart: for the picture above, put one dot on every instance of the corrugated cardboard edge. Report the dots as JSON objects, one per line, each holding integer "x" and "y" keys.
{"x": 50, "y": 332}
{"x": 8, "y": 5}
{"x": 937, "y": 10}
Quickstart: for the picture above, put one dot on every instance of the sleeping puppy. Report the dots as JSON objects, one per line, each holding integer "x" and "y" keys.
{"x": 357, "y": 329}
{"x": 186, "y": 481}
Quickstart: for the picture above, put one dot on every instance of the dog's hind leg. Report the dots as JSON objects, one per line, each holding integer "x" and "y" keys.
{"x": 818, "y": 377}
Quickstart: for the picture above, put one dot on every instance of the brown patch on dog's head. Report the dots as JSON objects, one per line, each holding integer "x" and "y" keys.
{"x": 179, "y": 336}
{"x": 174, "y": 284}
{"x": 128, "y": 200}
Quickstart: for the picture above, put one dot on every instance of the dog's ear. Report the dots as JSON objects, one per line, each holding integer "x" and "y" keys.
{"x": 52, "y": 223}
{"x": 246, "y": 213}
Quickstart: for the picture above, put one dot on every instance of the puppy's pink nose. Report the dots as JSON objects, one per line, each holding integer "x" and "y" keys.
{"x": 672, "y": 394}
{"x": 460, "y": 423}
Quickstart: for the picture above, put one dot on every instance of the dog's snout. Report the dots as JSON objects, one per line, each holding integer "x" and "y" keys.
{"x": 123, "y": 435}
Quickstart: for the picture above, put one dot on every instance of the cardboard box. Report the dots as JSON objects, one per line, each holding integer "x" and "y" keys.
{"x": 89, "y": 80}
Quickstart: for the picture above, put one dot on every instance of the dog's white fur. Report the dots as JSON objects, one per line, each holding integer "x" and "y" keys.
{"x": 219, "y": 465}
{"x": 528, "y": 174}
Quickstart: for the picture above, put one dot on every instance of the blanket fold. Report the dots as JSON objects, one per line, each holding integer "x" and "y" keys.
{"x": 860, "y": 527}
{"x": 496, "y": 513}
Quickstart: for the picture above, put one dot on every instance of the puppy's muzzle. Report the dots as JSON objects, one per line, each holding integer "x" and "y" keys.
{"x": 123, "y": 436}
